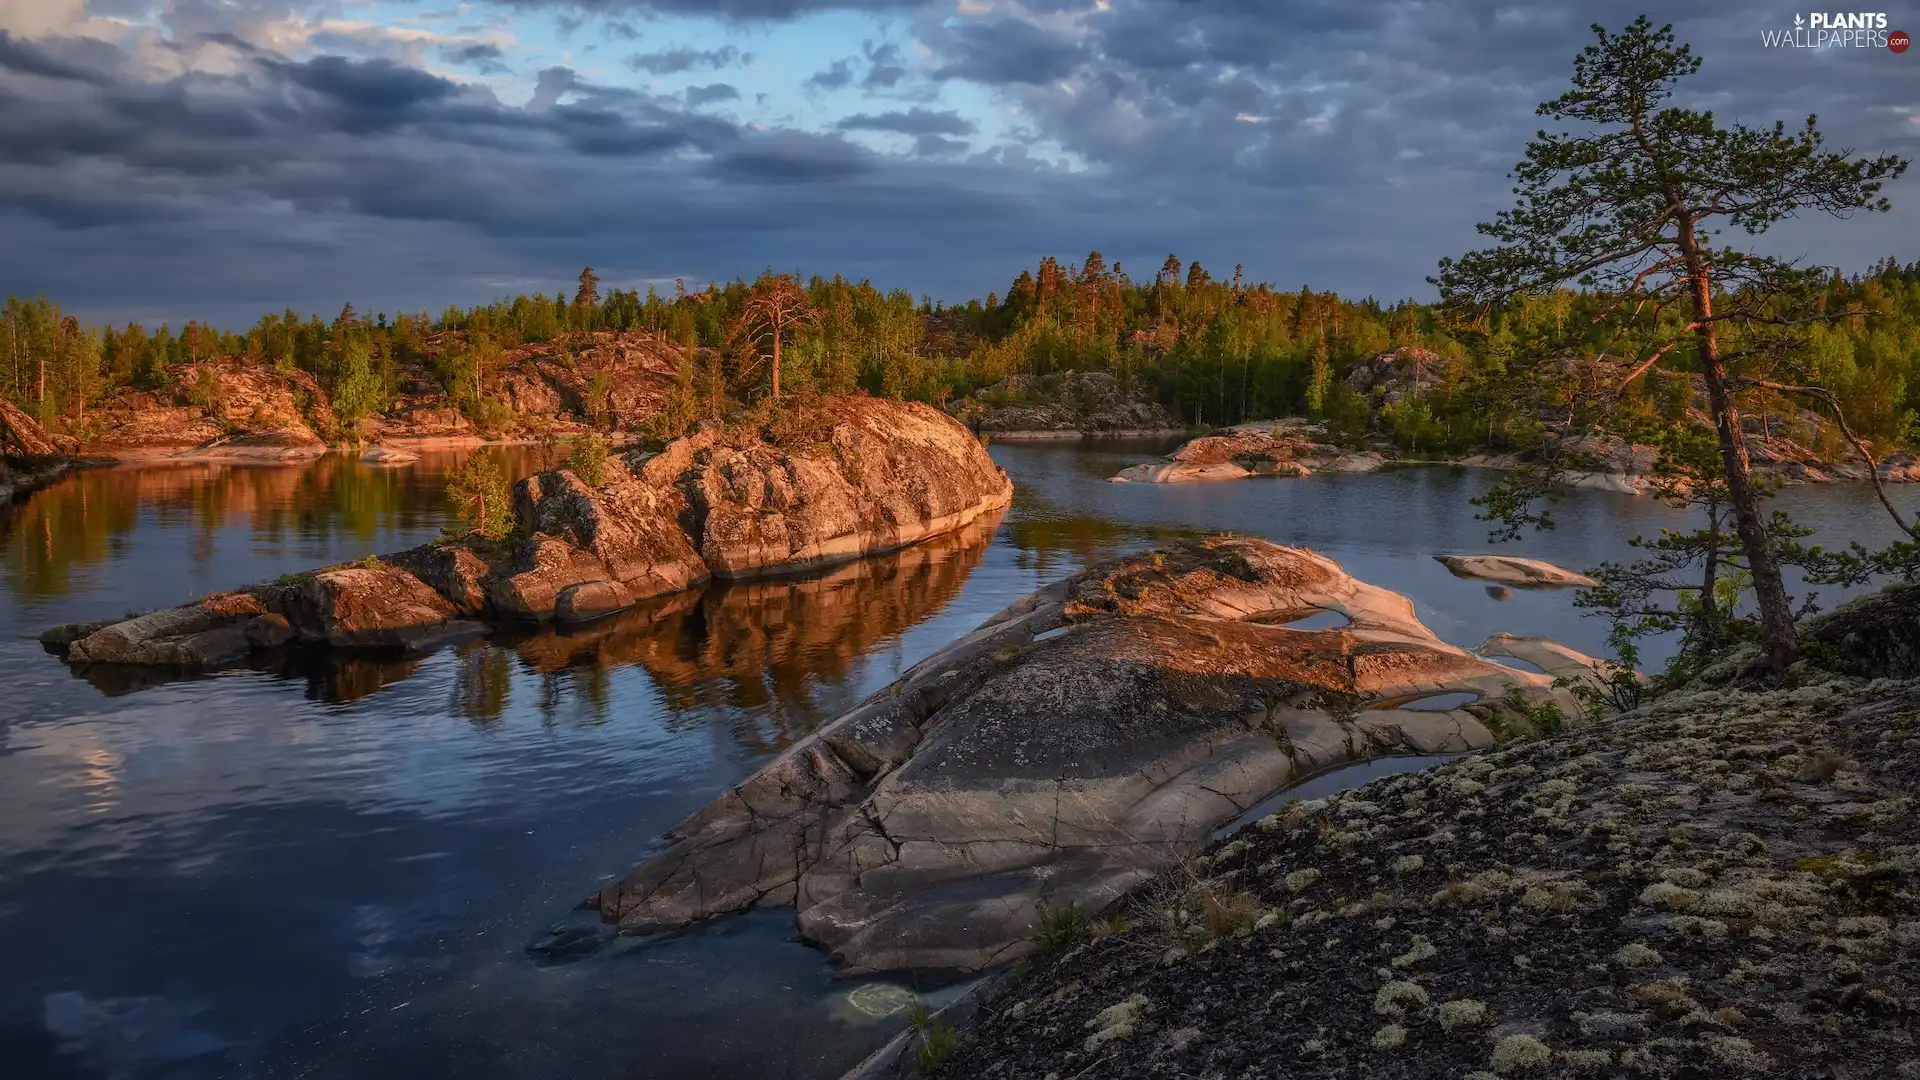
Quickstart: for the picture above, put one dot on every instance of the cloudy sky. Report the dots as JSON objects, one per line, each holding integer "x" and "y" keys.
{"x": 214, "y": 158}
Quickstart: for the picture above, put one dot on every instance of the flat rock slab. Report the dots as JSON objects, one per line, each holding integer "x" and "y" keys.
{"x": 1514, "y": 571}
{"x": 1023, "y": 767}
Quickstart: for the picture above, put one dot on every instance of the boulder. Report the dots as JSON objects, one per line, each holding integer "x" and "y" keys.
{"x": 202, "y": 634}
{"x": 1512, "y": 570}
{"x": 1878, "y": 635}
{"x": 270, "y": 631}
{"x": 630, "y": 525}
{"x": 1393, "y": 376}
{"x": 376, "y": 605}
{"x": 852, "y": 477}
{"x": 21, "y": 436}
{"x": 1071, "y": 747}
{"x": 218, "y": 409}
{"x": 455, "y": 572}
{"x": 542, "y": 568}
{"x": 590, "y": 600}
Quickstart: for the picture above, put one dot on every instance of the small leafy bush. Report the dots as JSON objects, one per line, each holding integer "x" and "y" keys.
{"x": 587, "y": 458}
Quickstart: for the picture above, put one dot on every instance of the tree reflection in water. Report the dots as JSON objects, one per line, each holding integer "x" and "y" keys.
{"x": 89, "y": 517}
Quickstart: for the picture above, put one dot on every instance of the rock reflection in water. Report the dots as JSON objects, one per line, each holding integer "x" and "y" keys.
{"x": 757, "y": 651}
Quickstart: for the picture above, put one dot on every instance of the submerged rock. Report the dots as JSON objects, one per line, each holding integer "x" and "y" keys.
{"x": 1074, "y": 745}
{"x": 820, "y": 485}
{"x": 1282, "y": 448}
{"x": 1511, "y": 570}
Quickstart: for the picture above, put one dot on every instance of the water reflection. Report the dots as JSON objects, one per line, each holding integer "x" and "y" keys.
{"x": 325, "y": 868}
{"x": 764, "y": 649}
{"x": 54, "y": 536}
{"x": 761, "y": 649}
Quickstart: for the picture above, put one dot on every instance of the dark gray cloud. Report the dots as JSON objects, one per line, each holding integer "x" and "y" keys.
{"x": 711, "y": 94}
{"x": 885, "y": 66}
{"x": 879, "y": 67}
{"x": 681, "y": 59}
{"x": 480, "y": 56}
{"x": 1337, "y": 144}
{"x": 791, "y": 158}
{"x": 1008, "y": 50}
{"x": 835, "y": 76}
{"x": 915, "y": 121}
{"x": 936, "y": 146}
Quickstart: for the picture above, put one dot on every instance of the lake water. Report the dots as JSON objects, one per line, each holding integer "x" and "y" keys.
{"x": 335, "y": 870}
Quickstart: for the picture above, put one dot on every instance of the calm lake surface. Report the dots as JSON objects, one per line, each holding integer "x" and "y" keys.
{"x": 337, "y": 870}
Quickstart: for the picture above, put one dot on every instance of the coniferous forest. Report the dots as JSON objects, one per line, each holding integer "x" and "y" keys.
{"x": 1214, "y": 350}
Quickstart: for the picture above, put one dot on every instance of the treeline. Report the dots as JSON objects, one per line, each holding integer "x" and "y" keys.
{"x": 1215, "y": 350}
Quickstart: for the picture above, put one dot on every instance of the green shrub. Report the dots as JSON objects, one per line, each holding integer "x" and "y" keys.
{"x": 937, "y": 1044}
{"x": 205, "y": 391}
{"x": 587, "y": 458}
{"x": 1061, "y": 928}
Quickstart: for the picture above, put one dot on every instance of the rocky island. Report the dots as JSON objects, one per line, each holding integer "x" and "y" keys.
{"x": 1074, "y": 746}
{"x": 814, "y": 486}
{"x": 1279, "y": 448}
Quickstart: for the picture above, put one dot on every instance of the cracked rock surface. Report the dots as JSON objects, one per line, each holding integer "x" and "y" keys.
{"x": 1072, "y": 747}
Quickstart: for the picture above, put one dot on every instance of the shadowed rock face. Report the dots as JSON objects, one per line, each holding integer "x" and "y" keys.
{"x": 1075, "y": 744}
{"x": 824, "y": 485}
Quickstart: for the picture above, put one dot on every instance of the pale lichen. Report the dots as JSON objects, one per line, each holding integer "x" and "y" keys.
{"x": 1398, "y": 998}
{"x": 1461, "y": 1013}
{"x": 1421, "y": 949}
{"x": 1116, "y": 1021}
{"x": 1635, "y": 954}
{"x": 1389, "y": 1037}
{"x": 1517, "y": 1054}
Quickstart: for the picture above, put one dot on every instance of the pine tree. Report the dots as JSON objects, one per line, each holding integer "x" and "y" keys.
{"x": 1628, "y": 205}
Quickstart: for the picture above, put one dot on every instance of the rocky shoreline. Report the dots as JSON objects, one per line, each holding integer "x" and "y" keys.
{"x": 827, "y": 484}
{"x": 1720, "y": 883}
{"x": 1079, "y": 743}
